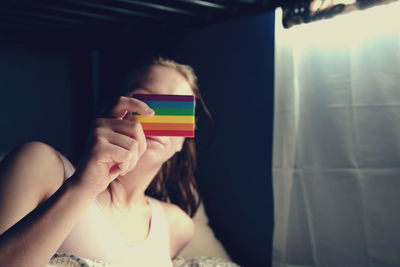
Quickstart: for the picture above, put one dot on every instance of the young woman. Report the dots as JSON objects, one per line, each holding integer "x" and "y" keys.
{"x": 114, "y": 207}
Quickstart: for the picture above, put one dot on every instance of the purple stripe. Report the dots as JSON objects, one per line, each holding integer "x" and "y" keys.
{"x": 164, "y": 97}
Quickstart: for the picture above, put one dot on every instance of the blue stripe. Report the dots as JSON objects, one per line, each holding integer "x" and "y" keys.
{"x": 169, "y": 104}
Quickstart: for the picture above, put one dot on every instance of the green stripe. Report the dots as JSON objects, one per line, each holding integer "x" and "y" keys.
{"x": 172, "y": 111}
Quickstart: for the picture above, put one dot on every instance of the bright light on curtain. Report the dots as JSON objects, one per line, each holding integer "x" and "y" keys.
{"x": 337, "y": 141}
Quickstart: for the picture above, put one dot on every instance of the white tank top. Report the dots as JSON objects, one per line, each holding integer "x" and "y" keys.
{"x": 94, "y": 236}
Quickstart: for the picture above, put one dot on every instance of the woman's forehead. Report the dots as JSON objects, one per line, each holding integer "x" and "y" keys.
{"x": 164, "y": 80}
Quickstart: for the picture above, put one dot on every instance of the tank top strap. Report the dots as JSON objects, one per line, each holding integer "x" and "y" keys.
{"x": 159, "y": 222}
{"x": 69, "y": 169}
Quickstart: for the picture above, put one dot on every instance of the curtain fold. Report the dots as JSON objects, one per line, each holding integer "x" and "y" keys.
{"x": 336, "y": 163}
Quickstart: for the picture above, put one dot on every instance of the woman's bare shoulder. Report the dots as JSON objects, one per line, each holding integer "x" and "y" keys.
{"x": 32, "y": 149}
{"x": 29, "y": 163}
{"x": 28, "y": 176}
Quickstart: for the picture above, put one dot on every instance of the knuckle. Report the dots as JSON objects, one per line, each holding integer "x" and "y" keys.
{"x": 99, "y": 122}
{"x": 134, "y": 161}
{"x": 144, "y": 147}
{"x": 116, "y": 110}
{"x": 132, "y": 125}
{"x": 98, "y": 142}
{"x": 97, "y": 132}
{"x": 122, "y": 99}
{"x": 126, "y": 154}
{"x": 133, "y": 144}
{"x": 130, "y": 145}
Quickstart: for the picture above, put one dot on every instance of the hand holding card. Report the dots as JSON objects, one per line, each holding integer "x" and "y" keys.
{"x": 174, "y": 115}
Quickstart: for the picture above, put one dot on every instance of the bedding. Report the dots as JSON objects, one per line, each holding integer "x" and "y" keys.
{"x": 203, "y": 262}
{"x": 66, "y": 260}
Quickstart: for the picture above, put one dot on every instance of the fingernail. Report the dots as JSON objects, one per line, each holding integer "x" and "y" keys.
{"x": 150, "y": 111}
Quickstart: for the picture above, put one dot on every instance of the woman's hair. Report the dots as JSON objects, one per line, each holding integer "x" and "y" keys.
{"x": 175, "y": 182}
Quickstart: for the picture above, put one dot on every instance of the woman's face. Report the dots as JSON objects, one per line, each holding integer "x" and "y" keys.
{"x": 163, "y": 80}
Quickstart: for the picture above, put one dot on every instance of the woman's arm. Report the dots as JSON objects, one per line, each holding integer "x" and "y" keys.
{"x": 28, "y": 178}
{"x": 38, "y": 209}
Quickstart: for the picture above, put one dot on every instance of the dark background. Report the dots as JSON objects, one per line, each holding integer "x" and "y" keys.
{"x": 50, "y": 91}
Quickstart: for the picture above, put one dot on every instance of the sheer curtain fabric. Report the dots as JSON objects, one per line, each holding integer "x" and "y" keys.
{"x": 336, "y": 152}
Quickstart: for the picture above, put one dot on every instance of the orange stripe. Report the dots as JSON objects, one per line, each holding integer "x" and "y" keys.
{"x": 168, "y": 126}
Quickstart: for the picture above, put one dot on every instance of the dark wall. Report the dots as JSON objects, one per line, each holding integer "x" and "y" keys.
{"x": 234, "y": 62}
{"x": 35, "y": 97}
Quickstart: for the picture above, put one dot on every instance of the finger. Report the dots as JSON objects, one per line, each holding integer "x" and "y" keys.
{"x": 139, "y": 148}
{"x": 134, "y": 157}
{"x": 126, "y": 142}
{"x": 118, "y": 139}
{"x": 125, "y": 127}
{"x": 138, "y": 134}
{"x": 132, "y": 163}
{"x": 113, "y": 154}
{"x": 128, "y": 105}
{"x": 133, "y": 160}
{"x": 131, "y": 128}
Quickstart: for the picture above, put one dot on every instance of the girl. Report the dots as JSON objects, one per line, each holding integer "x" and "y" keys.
{"x": 107, "y": 209}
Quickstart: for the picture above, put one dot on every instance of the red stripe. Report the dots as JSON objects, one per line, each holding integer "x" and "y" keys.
{"x": 168, "y": 126}
{"x": 168, "y": 133}
{"x": 158, "y": 97}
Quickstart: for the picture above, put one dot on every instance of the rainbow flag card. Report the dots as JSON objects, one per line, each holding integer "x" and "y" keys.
{"x": 174, "y": 115}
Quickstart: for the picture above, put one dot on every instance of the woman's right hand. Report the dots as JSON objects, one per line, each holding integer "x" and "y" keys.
{"x": 117, "y": 143}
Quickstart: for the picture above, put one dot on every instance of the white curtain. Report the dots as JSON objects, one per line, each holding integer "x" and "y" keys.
{"x": 337, "y": 141}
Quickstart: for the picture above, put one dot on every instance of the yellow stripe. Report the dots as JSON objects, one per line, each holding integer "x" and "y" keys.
{"x": 165, "y": 119}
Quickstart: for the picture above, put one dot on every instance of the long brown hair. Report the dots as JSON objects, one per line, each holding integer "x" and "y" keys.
{"x": 175, "y": 182}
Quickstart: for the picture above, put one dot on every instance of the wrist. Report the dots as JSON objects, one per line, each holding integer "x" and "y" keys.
{"x": 84, "y": 189}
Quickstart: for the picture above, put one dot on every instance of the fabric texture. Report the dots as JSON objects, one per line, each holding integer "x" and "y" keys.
{"x": 336, "y": 141}
{"x": 203, "y": 262}
{"x": 66, "y": 260}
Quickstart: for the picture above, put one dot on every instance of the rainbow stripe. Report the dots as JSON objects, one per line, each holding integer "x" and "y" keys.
{"x": 174, "y": 115}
